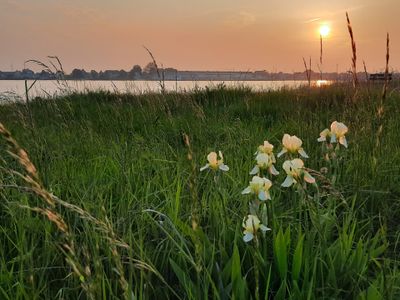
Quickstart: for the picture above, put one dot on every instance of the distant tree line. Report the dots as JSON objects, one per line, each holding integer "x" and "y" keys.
{"x": 150, "y": 72}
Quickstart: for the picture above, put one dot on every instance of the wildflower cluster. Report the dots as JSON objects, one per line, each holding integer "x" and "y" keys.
{"x": 260, "y": 186}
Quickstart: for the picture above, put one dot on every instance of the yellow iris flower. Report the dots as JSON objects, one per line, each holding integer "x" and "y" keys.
{"x": 214, "y": 163}
{"x": 251, "y": 225}
{"x": 295, "y": 172}
{"x": 292, "y": 144}
{"x": 260, "y": 187}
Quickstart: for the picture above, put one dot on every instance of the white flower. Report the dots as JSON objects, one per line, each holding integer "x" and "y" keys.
{"x": 251, "y": 225}
{"x": 264, "y": 162}
{"x": 338, "y": 131}
{"x": 214, "y": 163}
{"x": 292, "y": 144}
{"x": 295, "y": 171}
{"x": 323, "y": 135}
{"x": 260, "y": 187}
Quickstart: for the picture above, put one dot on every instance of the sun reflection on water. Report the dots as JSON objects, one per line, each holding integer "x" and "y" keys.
{"x": 321, "y": 83}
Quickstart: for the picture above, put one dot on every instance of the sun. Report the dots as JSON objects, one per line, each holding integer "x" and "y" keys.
{"x": 324, "y": 30}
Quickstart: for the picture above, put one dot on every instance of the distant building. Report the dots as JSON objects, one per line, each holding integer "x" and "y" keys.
{"x": 380, "y": 76}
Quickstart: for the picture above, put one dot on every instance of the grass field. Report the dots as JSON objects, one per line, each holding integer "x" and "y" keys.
{"x": 118, "y": 207}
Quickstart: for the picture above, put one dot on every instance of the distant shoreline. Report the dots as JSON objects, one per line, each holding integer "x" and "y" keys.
{"x": 172, "y": 75}
{"x": 156, "y": 80}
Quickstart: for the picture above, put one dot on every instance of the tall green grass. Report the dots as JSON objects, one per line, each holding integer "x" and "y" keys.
{"x": 123, "y": 159}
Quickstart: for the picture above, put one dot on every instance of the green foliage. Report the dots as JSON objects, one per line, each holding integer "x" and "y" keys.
{"x": 122, "y": 158}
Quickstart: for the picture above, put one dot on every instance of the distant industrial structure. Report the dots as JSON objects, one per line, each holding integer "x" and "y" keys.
{"x": 380, "y": 76}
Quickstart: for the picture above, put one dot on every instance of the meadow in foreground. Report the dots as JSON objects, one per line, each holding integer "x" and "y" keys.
{"x": 108, "y": 201}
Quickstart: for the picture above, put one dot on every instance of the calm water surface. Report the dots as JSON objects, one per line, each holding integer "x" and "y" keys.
{"x": 16, "y": 88}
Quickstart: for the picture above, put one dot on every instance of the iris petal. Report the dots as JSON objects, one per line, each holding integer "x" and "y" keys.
{"x": 264, "y": 228}
{"x": 333, "y": 138}
{"x": 284, "y": 150}
{"x": 262, "y": 196}
{"x": 204, "y": 167}
{"x": 273, "y": 171}
{"x": 308, "y": 178}
{"x": 224, "y": 168}
{"x": 246, "y": 190}
{"x": 255, "y": 170}
{"x": 303, "y": 153}
{"x": 288, "y": 181}
{"x": 343, "y": 141}
{"x": 248, "y": 237}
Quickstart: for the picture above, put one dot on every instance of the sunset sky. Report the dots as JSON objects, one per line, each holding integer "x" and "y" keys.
{"x": 237, "y": 35}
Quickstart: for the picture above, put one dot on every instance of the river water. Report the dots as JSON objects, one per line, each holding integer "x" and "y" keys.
{"x": 47, "y": 88}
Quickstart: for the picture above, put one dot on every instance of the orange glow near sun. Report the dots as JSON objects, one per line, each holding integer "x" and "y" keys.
{"x": 324, "y": 30}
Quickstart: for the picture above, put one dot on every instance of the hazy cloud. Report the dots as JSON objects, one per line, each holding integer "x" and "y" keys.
{"x": 242, "y": 19}
{"x": 80, "y": 13}
{"x": 312, "y": 20}
{"x": 349, "y": 9}
{"x": 13, "y": 5}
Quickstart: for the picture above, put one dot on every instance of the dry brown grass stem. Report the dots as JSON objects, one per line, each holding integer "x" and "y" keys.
{"x": 381, "y": 107}
{"x": 48, "y": 209}
{"x": 308, "y": 71}
{"x": 354, "y": 51}
{"x": 366, "y": 72}
{"x": 161, "y": 82}
{"x": 325, "y": 184}
{"x": 55, "y": 68}
{"x": 320, "y": 53}
{"x": 367, "y": 79}
{"x": 160, "y": 75}
{"x": 102, "y": 226}
{"x": 385, "y": 86}
{"x": 320, "y": 56}
{"x": 31, "y": 178}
